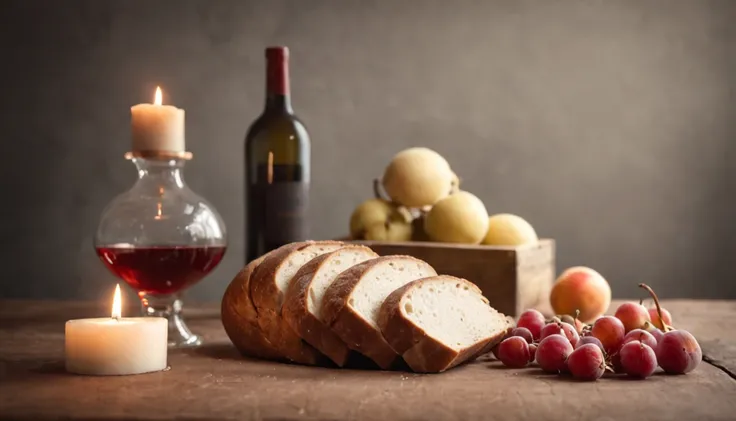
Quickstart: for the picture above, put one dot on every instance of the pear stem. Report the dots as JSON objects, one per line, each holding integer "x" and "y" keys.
{"x": 656, "y": 303}
{"x": 377, "y": 189}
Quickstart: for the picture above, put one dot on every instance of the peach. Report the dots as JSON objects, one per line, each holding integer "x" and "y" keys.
{"x": 581, "y": 288}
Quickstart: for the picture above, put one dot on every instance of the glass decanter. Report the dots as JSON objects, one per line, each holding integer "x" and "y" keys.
{"x": 160, "y": 238}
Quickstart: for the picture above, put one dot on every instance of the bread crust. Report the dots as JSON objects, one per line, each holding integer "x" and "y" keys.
{"x": 240, "y": 318}
{"x": 296, "y": 314}
{"x": 268, "y": 299}
{"x": 358, "y": 333}
{"x": 263, "y": 290}
{"x": 420, "y": 351}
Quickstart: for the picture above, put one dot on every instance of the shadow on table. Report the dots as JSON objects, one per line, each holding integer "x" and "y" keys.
{"x": 19, "y": 368}
{"x": 227, "y": 351}
{"x": 219, "y": 351}
{"x": 537, "y": 373}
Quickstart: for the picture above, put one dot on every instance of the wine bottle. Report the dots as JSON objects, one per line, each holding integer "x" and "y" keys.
{"x": 277, "y": 155}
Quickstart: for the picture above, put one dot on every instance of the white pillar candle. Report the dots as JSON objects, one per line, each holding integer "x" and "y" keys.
{"x": 116, "y": 346}
{"x": 157, "y": 127}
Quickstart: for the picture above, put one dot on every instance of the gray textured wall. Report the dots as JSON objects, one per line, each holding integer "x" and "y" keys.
{"x": 608, "y": 124}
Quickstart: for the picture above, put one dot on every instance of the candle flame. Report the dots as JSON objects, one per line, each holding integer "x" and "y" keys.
{"x": 116, "y": 303}
{"x": 157, "y": 98}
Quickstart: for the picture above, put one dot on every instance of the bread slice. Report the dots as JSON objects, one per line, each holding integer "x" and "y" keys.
{"x": 351, "y": 304}
{"x": 267, "y": 287}
{"x": 240, "y": 318}
{"x": 439, "y": 322}
{"x": 302, "y": 309}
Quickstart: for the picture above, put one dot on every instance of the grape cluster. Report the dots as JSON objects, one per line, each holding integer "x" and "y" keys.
{"x": 630, "y": 342}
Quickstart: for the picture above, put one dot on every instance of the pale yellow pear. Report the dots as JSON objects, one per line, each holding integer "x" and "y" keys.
{"x": 505, "y": 229}
{"x": 458, "y": 218}
{"x": 418, "y": 177}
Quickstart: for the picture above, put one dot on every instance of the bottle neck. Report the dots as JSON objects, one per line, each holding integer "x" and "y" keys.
{"x": 278, "y": 95}
{"x": 160, "y": 173}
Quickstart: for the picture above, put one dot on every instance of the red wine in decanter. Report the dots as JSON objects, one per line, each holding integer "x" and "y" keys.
{"x": 161, "y": 269}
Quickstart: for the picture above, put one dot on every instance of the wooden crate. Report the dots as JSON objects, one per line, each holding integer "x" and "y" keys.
{"x": 512, "y": 278}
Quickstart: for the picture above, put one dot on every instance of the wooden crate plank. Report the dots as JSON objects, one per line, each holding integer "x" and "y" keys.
{"x": 512, "y": 278}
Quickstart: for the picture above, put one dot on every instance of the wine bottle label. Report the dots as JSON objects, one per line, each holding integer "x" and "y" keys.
{"x": 284, "y": 212}
{"x": 279, "y": 202}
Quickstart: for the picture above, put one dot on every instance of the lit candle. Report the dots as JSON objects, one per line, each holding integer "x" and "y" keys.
{"x": 157, "y": 127}
{"x": 116, "y": 345}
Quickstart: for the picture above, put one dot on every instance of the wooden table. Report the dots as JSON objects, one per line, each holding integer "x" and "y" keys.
{"x": 215, "y": 383}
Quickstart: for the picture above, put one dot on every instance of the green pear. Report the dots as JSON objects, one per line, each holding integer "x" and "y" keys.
{"x": 380, "y": 220}
{"x": 390, "y": 231}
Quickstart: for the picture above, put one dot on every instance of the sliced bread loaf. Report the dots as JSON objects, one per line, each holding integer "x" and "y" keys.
{"x": 267, "y": 287}
{"x": 351, "y": 304}
{"x": 302, "y": 308}
{"x": 439, "y": 322}
{"x": 240, "y": 318}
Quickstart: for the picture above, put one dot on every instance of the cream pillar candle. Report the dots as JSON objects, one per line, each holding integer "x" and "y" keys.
{"x": 115, "y": 345}
{"x": 157, "y": 127}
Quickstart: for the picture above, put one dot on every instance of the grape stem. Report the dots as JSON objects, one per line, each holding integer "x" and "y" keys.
{"x": 656, "y": 303}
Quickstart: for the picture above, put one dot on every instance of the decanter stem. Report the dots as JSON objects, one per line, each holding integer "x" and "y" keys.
{"x": 169, "y": 306}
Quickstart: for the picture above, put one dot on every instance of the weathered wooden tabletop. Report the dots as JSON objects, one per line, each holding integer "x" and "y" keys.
{"x": 215, "y": 383}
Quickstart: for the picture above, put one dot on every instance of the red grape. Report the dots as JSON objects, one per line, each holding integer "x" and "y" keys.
{"x": 551, "y": 329}
{"x": 532, "y": 320}
{"x": 514, "y": 352}
{"x": 610, "y": 331}
{"x": 552, "y": 353}
{"x": 572, "y": 321}
{"x": 561, "y": 328}
{"x": 642, "y": 336}
{"x": 632, "y": 315}
{"x": 638, "y": 359}
{"x": 494, "y": 350}
{"x": 586, "y": 362}
{"x": 658, "y": 334}
{"x": 523, "y": 333}
{"x": 655, "y": 318}
{"x": 532, "y": 352}
{"x": 678, "y": 352}
{"x": 571, "y": 333}
{"x": 589, "y": 340}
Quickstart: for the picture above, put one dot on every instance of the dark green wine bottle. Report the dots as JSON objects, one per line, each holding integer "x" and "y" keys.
{"x": 277, "y": 154}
